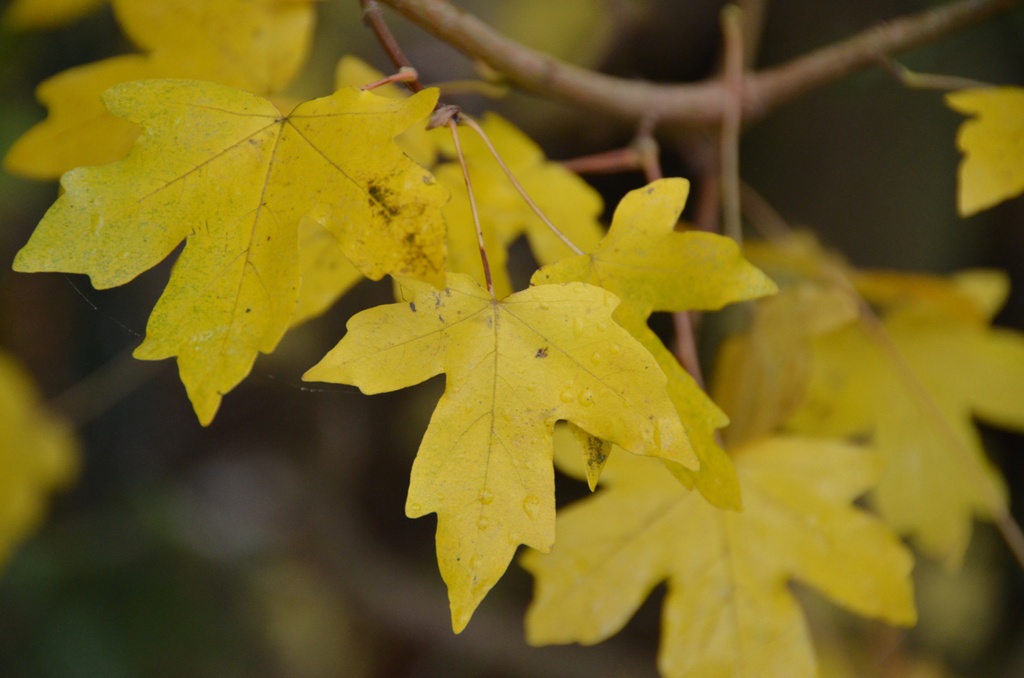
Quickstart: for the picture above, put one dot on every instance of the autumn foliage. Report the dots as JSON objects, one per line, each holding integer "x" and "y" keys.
{"x": 837, "y": 420}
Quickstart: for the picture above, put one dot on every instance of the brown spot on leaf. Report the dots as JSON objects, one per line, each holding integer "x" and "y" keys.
{"x": 382, "y": 200}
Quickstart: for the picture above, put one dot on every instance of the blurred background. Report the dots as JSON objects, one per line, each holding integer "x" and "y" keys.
{"x": 274, "y": 543}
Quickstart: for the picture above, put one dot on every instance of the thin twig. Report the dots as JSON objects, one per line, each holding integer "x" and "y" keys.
{"x": 686, "y": 345}
{"x": 732, "y": 119}
{"x": 696, "y": 104}
{"x": 103, "y": 388}
{"x": 642, "y": 154}
{"x": 609, "y": 162}
{"x": 942, "y": 83}
{"x": 482, "y": 88}
{"x": 405, "y": 74}
{"x": 454, "y": 127}
{"x": 647, "y": 149}
{"x": 469, "y": 122}
{"x": 753, "y": 27}
{"x": 761, "y": 215}
{"x": 374, "y": 18}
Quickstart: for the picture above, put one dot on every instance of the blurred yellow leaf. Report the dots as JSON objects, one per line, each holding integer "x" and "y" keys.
{"x": 729, "y": 612}
{"x": 652, "y": 267}
{"x": 514, "y": 367}
{"x": 255, "y": 46}
{"x": 38, "y": 454}
{"x": 325, "y": 272}
{"x": 265, "y": 41}
{"x": 226, "y": 171}
{"x": 761, "y": 375}
{"x": 993, "y": 145}
{"x": 33, "y": 14}
{"x": 568, "y": 201}
{"x": 915, "y": 383}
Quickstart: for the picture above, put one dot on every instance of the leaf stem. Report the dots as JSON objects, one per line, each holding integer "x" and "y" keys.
{"x": 470, "y": 122}
{"x": 692, "y": 104}
{"x": 406, "y": 74}
{"x": 452, "y": 124}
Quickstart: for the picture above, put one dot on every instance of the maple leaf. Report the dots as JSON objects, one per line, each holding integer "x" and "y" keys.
{"x": 32, "y": 14}
{"x": 38, "y": 454}
{"x": 917, "y": 388}
{"x": 218, "y": 167}
{"x": 514, "y": 368}
{"x": 325, "y": 272}
{"x": 568, "y": 201}
{"x": 729, "y": 611}
{"x": 993, "y": 145}
{"x": 267, "y": 41}
{"x": 255, "y": 46}
{"x": 418, "y": 142}
{"x": 652, "y": 267}
{"x": 761, "y": 375}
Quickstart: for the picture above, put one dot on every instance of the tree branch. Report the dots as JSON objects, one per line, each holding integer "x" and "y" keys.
{"x": 697, "y": 104}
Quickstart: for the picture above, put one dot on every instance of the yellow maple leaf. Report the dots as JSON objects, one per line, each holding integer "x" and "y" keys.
{"x": 267, "y": 41}
{"x": 38, "y": 454}
{"x": 652, "y": 267}
{"x": 255, "y": 46}
{"x": 228, "y": 172}
{"x": 761, "y": 375}
{"x": 993, "y": 145}
{"x": 568, "y": 201}
{"x": 917, "y": 392}
{"x": 31, "y": 14}
{"x": 325, "y": 272}
{"x": 514, "y": 368}
{"x": 729, "y": 612}
{"x": 79, "y": 129}
{"x": 420, "y": 143}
